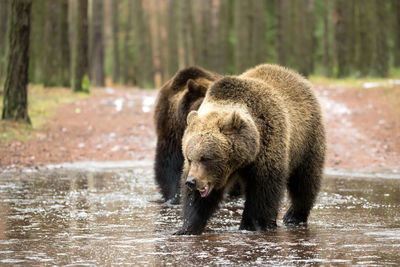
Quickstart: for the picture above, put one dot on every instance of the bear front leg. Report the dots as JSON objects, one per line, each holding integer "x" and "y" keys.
{"x": 197, "y": 210}
{"x": 168, "y": 168}
{"x": 303, "y": 187}
{"x": 263, "y": 196}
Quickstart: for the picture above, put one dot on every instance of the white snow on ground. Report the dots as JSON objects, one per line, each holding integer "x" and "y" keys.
{"x": 119, "y": 102}
{"x": 377, "y": 84}
{"x": 148, "y": 102}
{"x": 335, "y": 110}
{"x": 110, "y": 91}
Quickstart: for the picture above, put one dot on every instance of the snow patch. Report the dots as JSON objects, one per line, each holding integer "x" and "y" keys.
{"x": 378, "y": 84}
{"x": 148, "y": 102}
{"x": 110, "y": 91}
{"x": 119, "y": 102}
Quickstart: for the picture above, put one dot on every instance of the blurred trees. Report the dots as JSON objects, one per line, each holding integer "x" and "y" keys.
{"x": 3, "y": 36}
{"x": 15, "y": 101}
{"x": 80, "y": 62}
{"x": 250, "y": 30}
{"x": 115, "y": 41}
{"x": 143, "y": 43}
{"x": 97, "y": 43}
{"x": 396, "y": 31}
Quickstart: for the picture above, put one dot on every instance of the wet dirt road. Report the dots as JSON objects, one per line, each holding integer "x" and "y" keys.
{"x": 115, "y": 216}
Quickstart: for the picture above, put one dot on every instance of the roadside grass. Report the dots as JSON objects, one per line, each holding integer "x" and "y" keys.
{"x": 356, "y": 82}
{"x": 42, "y": 103}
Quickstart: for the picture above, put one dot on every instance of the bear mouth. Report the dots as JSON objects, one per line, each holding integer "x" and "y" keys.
{"x": 204, "y": 191}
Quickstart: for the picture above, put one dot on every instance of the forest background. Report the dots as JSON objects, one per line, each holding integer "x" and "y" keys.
{"x": 143, "y": 43}
{"x": 51, "y": 49}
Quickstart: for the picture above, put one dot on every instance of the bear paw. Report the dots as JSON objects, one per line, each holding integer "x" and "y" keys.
{"x": 293, "y": 218}
{"x": 187, "y": 232}
{"x": 173, "y": 201}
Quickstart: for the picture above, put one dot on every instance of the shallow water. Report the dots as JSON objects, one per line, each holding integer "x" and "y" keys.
{"x": 115, "y": 216}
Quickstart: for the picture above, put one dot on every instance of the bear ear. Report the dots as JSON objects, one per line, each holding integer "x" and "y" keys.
{"x": 191, "y": 116}
{"x": 196, "y": 88}
{"x": 232, "y": 123}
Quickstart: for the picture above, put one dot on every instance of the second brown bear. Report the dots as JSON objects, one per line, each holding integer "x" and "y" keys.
{"x": 180, "y": 95}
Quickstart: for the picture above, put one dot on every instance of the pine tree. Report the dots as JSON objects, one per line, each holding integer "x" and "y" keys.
{"x": 15, "y": 101}
{"x": 36, "y": 51}
{"x": 327, "y": 38}
{"x": 381, "y": 56}
{"x": 97, "y": 44}
{"x": 172, "y": 37}
{"x": 4, "y": 10}
{"x": 80, "y": 64}
{"x": 396, "y": 31}
{"x": 115, "y": 40}
{"x": 344, "y": 36}
{"x": 65, "y": 51}
{"x": 51, "y": 46}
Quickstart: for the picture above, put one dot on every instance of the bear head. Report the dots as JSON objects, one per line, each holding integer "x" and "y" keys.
{"x": 215, "y": 145}
{"x": 180, "y": 95}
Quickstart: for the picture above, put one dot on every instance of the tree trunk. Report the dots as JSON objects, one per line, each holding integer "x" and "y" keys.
{"x": 187, "y": 31}
{"x": 36, "y": 51}
{"x": 144, "y": 67}
{"x": 343, "y": 36}
{"x": 224, "y": 27}
{"x": 157, "y": 44}
{"x": 15, "y": 102}
{"x": 115, "y": 43}
{"x": 283, "y": 18}
{"x": 243, "y": 19}
{"x": 80, "y": 67}
{"x": 65, "y": 56}
{"x": 365, "y": 15}
{"x": 327, "y": 38}
{"x": 97, "y": 43}
{"x": 127, "y": 70}
{"x": 51, "y": 46}
{"x": 396, "y": 5}
{"x": 207, "y": 35}
{"x": 258, "y": 31}
{"x": 381, "y": 56}
{"x": 172, "y": 37}
{"x": 303, "y": 30}
{"x": 4, "y": 5}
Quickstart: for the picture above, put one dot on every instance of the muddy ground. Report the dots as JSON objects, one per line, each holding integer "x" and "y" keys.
{"x": 362, "y": 124}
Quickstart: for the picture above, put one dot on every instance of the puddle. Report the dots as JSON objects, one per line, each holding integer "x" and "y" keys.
{"x": 114, "y": 215}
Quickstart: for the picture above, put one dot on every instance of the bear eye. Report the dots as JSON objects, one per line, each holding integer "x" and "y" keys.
{"x": 204, "y": 159}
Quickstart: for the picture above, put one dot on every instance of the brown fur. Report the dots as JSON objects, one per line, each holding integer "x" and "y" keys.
{"x": 265, "y": 127}
{"x": 180, "y": 95}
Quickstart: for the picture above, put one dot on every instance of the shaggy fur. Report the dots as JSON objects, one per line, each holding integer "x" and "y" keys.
{"x": 180, "y": 95}
{"x": 265, "y": 128}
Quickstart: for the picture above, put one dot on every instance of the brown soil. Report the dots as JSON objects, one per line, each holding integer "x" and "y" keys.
{"x": 363, "y": 130}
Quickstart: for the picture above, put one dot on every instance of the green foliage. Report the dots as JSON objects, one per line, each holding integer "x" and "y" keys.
{"x": 355, "y": 81}
{"x": 85, "y": 84}
{"x": 347, "y": 38}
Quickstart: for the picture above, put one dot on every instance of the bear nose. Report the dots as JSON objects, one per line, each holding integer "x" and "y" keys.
{"x": 191, "y": 182}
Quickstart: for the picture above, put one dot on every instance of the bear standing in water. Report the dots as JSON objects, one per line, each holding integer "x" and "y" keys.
{"x": 180, "y": 95}
{"x": 263, "y": 127}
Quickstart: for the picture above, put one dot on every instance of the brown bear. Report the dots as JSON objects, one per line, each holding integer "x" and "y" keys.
{"x": 263, "y": 127}
{"x": 180, "y": 95}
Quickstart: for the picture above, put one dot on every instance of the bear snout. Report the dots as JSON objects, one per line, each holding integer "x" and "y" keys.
{"x": 191, "y": 183}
